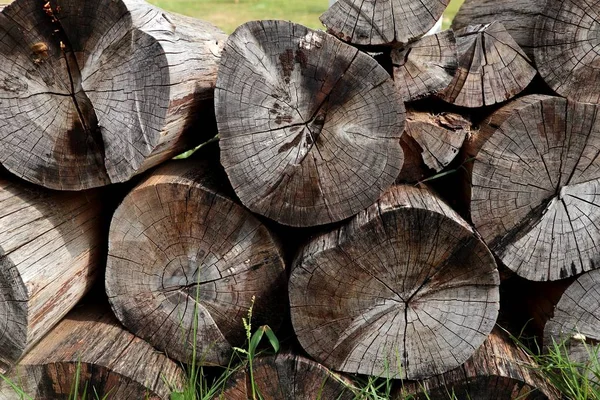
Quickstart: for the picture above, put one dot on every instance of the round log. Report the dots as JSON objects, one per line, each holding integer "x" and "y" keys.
{"x": 309, "y": 126}
{"x": 181, "y": 250}
{"x": 382, "y": 22}
{"x": 567, "y": 49}
{"x": 51, "y": 248}
{"x": 576, "y": 321}
{"x": 405, "y": 289}
{"x": 498, "y": 370}
{"x": 534, "y": 186}
{"x": 518, "y": 17}
{"x": 426, "y": 66}
{"x": 93, "y": 93}
{"x": 288, "y": 377}
{"x": 111, "y": 362}
{"x": 431, "y": 142}
{"x": 492, "y": 68}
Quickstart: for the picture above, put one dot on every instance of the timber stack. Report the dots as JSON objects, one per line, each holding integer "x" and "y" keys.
{"x": 390, "y": 200}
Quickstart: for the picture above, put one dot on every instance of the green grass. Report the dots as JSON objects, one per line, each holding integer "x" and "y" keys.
{"x": 229, "y": 14}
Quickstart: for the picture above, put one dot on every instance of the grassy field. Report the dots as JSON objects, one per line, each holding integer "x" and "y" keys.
{"x": 229, "y": 14}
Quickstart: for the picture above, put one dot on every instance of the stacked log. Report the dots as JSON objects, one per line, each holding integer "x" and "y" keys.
{"x": 51, "y": 250}
{"x": 186, "y": 262}
{"x": 95, "y": 92}
{"x": 89, "y": 345}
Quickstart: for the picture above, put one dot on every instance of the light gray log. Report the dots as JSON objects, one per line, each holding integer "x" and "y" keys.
{"x": 51, "y": 247}
{"x": 309, "y": 126}
{"x": 94, "y": 92}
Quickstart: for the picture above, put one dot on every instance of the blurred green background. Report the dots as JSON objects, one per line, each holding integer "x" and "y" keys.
{"x": 229, "y": 14}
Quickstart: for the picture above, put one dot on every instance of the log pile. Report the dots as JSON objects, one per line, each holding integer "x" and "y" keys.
{"x": 376, "y": 197}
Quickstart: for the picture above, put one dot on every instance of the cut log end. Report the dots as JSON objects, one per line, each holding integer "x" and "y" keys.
{"x": 382, "y": 22}
{"x": 535, "y": 188}
{"x": 309, "y": 126}
{"x": 94, "y": 93}
{"x": 492, "y": 68}
{"x": 180, "y": 249}
{"x": 416, "y": 291}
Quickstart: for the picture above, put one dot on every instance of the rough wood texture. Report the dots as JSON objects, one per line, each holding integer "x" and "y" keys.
{"x": 288, "y": 377}
{"x": 94, "y": 92}
{"x": 498, "y": 370}
{"x": 535, "y": 186}
{"x": 309, "y": 126}
{"x": 577, "y": 312}
{"x": 51, "y": 245}
{"x": 567, "y": 48}
{"x": 426, "y": 66}
{"x": 430, "y": 143}
{"x": 492, "y": 68}
{"x": 178, "y": 244}
{"x": 112, "y": 362}
{"x": 382, "y": 22}
{"x": 405, "y": 289}
{"x": 518, "y": 17}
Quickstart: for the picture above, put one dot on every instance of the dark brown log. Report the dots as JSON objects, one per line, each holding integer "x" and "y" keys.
{"x": 51, "y": 247}
{"x": 567, "y": 49}
{"x": 309, "y": 126}
{"x": 576, "y": 321}
{"x": 430, "y": 143}
{"x": 518, "y": 17}
{"x": 405, "y": 289}
{"x": 492, "y": 68}
{"x": 96, "y": 92}
{"x": 179, "y": 246}
{"x": 112, "y": 362}
{"x": 535, "y": 184}
{"x": 382, "y": 22}
{"x": 288, "y": 377}
{"x": 426, "y": 66}
{"x": 498, "y": 370}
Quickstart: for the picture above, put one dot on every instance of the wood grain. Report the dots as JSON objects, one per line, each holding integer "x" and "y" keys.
{"x": 404, "y": 289}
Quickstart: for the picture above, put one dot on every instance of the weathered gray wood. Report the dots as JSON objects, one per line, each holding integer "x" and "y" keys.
{"x": 288, "y": 377}
{"x": 518, "y": 17}
{"x": 96, "y": 92}
{"x": 179, "y": 245}
{"x": 404, "y": 289}
{"x": 576, "y": 321}
{"x": 309, "y": 126}
{"x": 382, "y": 22}
{"x": 535, "y": 186}
{"x": 51, "y": 247}
{"x": 498, "y": 370}
{"x": 112, "y": 362}
{"x": 492, "y": 67}
{"x": 567, "y": 48}
{"x": 426, "y": 66}
{"x": 431, "y": 142}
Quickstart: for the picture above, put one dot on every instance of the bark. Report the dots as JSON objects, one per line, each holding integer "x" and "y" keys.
{"x": 51, "y": 247}
{"x": 426, "y": 66}
{"x": 309, "y": 126}
{"x": 431, "y": 142}
{"x": 93, "y": 93}
{"x": 498, "y": 370}
{"x": 112, "y": 362}
{"x": 576, "y": 322}
{"x": 288, "y": 377}
{"x": 382, "y": 22}
{"x": 567, "y": 49}
{"x": 404, "y": 289}
{"x": 492, "y": 68}
{"x": 181, "y": 250}
{"x": 518, "y": 17}
{"x": 534, "y": 187}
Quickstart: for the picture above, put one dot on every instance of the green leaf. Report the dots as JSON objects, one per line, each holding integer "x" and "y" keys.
{"x": 272, "y": 338}
{"x": 177, "y": 396}
{"x": 255, "y": 340}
